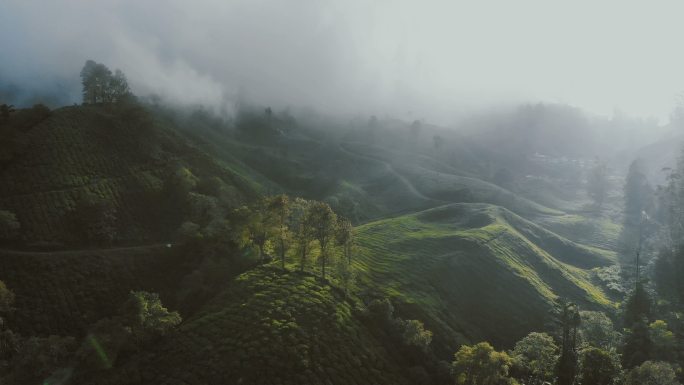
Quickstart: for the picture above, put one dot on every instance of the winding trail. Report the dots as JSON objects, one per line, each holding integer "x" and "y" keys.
{"x": 58, "y": 253}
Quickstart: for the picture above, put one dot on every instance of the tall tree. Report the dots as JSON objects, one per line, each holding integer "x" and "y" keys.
{"x": 6, "y": 110}
{"x": 345, "y": 237}
{"x": 480, "y": 365}
{"x": 652, "y": 373}
{"x": 261, "y": 226}
{"x": 597, "y": 183}
{"x": 638, "y": 344}
{"x": 100, "y": 86}
{"x": 280, "y": 209}
{"x": 322, "y": 221}
{"x": 638, "y": 192}
{"x": 598, "y": 367}
{"x": 597, "y": 330}
{"x": 118, "y": 87}
{"x": 663, "y": 341}
{"x": 535, "y": 356}
{"x": 569, "y": 319}
{"x": 6, "y": 303}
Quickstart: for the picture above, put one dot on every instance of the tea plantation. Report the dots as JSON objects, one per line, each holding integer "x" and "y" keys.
{"x": 269, "y": 327}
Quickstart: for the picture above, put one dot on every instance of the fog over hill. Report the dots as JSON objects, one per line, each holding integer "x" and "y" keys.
{"x": 431, "y": 61}
{"x": 341, "y": 192}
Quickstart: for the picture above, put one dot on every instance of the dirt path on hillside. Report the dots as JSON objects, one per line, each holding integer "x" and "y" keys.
{"x": 58, "y": 253}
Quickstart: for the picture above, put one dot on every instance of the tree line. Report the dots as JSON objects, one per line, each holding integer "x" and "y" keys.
{"x": 300, "y": 229}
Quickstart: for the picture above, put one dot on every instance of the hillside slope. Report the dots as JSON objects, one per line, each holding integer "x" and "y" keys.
{"x": 476, "y": 271}
{"x": 268, "y": 327}
{"x": 63, "y": 293}
{"x": 117, "y": 153}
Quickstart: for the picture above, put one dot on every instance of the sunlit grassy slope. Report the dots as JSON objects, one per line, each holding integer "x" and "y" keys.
{"x": 269, "y": 327}
{"x": 596, "y": 231}
{"x": 476, "y": 271}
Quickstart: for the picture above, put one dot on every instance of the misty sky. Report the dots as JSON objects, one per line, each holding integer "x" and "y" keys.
{"x": 420, "y": 59}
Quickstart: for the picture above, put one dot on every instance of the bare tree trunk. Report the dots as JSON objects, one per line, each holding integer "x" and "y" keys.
{"x": 282, "y": 253}
{"x": 302, "y": 259}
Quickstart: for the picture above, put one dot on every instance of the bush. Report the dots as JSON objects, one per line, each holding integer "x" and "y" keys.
{"x": 6, "y": 299}
{"x": 106, "y": 339}
{"x": 9, "y": 225}
{"x": 380, "y": 310}
{"x": 147, "y": 316}
{"x": 652, "y": 373}
{"x": 38, "y": 357}
{"x": 415, "y": 334}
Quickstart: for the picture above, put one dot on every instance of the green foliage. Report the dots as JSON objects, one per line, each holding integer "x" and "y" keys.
{"x": 415, "y": 334}
{"x": 345, "y": 273}
{"x": 6, "y": 300}
{"x": 664, "y": 342}
{"x": 638, "y": 305}
{"x": 96, "y": 218}
{"x": 569, "y": 320}
{"x": 100, "y": 86}
{"x": 38, "y": 357}
{"x": 271, "y": 326}
{"x": 534, "y": 358}
{"x": 9, "y": 225}
{"x": 638, "y": 345}
{"x": 598, "y": 367}
{"x": 9, "y": 345}
{"x": 147, "y": 316}
{"x": 302, "y": 233}
{"x": 597, "y": 183}
{"x": 345, "y": 237}
{"x": 638, "y": 192}
{"x": 480, "y": 364}
{"x": 322, "y": 221}
{"x": 279, "y": 206}
{"x": 188, "y": 232}
{"x": 652, "y": 373}
{"x": 106, "y": 340}
{"x": 64, "y": 292}
{"x": 380, "y": 310}
{"x": 597, "y": 330}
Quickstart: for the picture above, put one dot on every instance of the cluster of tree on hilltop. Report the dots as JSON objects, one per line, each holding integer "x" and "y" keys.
{"x": 100, "y": 85}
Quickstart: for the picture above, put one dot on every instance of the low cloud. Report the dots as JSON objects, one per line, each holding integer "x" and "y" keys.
{"x": 408, "y": 59}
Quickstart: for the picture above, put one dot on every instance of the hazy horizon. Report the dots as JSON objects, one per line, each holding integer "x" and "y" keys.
{"x": 402, "y": 59}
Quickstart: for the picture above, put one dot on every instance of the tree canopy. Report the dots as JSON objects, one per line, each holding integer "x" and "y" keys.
{"x": 101, "y": 86}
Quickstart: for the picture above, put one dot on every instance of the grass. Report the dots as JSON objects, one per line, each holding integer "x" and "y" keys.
{"x": 475, "y": 271}
{"x": 599, "y": 232}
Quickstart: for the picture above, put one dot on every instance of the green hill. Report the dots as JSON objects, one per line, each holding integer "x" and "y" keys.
{"x": 62, "y": 293}
{"x": 268, "y": 327}
{"x": 476, "y": 271}
{"x": 470, "y": 259}
{"x": 120, "y": 154}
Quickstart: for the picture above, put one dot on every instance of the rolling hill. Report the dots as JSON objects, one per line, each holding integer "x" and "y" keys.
{"x": 441, "y": 265}
{"x": 472, "y": 260}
